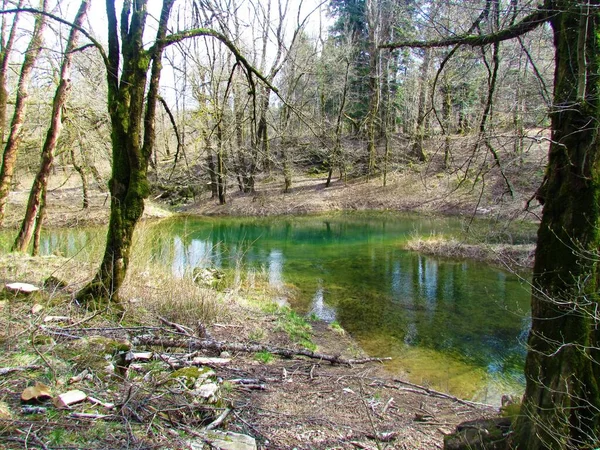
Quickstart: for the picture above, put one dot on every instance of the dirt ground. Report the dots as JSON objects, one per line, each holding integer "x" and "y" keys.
{"x": 315, "y": 405}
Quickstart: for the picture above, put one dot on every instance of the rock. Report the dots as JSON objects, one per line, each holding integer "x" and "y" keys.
{"x": 225, "y": 355}
{"x": 224, "y": 441}
{"x": 481, "y": 434}
{"x": 208, "y": 277}
{"x": 21, "y": 288}
{"x": 192, "y": 377}
{"x": 207, "y": 391}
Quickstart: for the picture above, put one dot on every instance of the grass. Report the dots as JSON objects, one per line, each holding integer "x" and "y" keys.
{"x": 264, "y": 357}
{"x": 517, "y": 256}
{"x": 296, "y": 326}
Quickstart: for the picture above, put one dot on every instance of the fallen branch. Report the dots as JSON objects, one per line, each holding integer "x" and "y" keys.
{"x": 429, "y": 391}
{"x": 7, "y": 370}
{"x": 181, "y": 328}
{"x": 218, "y": 346}
{"x": 218, "y": 421}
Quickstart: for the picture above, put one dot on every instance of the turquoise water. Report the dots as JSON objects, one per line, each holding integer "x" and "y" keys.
{"x": 458, "y": 326}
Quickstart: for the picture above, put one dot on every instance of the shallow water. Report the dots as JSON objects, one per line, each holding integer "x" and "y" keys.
{"x": 458, "y": 326}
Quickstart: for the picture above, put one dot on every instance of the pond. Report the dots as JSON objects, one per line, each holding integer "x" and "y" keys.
{"x": 456, "y": 326}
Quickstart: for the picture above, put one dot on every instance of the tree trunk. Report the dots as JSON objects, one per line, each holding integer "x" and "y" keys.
{"x": 132, "y": 143}
{"x": 210, "y": 162}
{"x": 7, "y": 46}
{"x": 80, "y": 169}
{"x": 336, "y": 156}
{"x": 421, "y": 124}
{"x": 37, "y": 233}
{"x": 41, "y": 180}
{"x": 221, "y": 180}
{"x": 446, "y": 118}
{"x": 373, "y": 86}
{"x": 562, "y": 398}
{"x": 9, "y": 156}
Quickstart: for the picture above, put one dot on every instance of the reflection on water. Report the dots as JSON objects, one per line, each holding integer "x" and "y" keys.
{"x": 320, "y": 309}
{"x": 457, "y": 326}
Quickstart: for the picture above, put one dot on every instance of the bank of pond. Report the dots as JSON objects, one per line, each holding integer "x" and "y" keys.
{"x": 454, "y": 325}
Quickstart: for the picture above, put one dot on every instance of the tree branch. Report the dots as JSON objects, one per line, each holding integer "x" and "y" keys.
{"x": 64, "y": 22}
{"x": 541, "y": 15}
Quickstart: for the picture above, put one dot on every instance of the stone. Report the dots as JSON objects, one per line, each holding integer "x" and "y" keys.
{"x": 224, "y": 440}
{"x": 207, "y": 391}
{"x": 21, "y": 288}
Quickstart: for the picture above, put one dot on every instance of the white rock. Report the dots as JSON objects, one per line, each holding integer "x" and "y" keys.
{"x": 207, "y": 390}
{"x": 25, "y": 288}
{"x": 225, "y": 441}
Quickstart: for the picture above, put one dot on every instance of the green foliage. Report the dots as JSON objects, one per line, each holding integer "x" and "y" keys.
{"x": 337, "y": 328}
{"x": 264, "y": 357}
{"x": 296, "y": 327}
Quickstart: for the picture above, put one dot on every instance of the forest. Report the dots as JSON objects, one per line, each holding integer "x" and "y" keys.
{"x": 118, "y": 117}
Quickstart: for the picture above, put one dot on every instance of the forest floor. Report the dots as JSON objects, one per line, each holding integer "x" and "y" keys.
{"x": 284, "y": 403}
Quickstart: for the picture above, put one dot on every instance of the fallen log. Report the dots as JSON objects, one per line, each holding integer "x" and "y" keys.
{"x": 218, "y": 346}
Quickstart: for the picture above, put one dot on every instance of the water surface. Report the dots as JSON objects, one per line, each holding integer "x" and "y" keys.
{"x": 458, "y": 326}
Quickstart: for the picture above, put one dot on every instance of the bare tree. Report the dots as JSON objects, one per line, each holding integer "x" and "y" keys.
{"x": 9, "y": 156}
{"x": 40, "y": 183}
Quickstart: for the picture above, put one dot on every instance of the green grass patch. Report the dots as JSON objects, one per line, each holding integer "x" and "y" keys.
{"x": 264, "y": 357}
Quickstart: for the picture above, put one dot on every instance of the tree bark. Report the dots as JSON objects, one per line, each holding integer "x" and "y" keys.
{"x": 80, "y": 169}
{"x": 421, "y": 124}
{"x": 9, "y": 156}
{"x": 132, "y": 143}
{"x": 41, "y": 180}
{"x": 562, "y": 396}
{"x": 5, "y": 51}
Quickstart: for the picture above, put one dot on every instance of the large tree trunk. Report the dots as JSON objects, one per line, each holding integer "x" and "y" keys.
{"x": 562, "y": 401}
{"x": 9, "y": 156}
{"x": 132, "y": 143}
{"x": 372, "y": 18}
{"x": 41, "y": 180}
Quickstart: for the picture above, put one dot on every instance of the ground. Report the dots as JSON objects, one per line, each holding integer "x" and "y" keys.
{"x": 291, "y": 403}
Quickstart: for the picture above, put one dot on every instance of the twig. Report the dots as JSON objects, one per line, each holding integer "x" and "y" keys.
{"x": 218, "y": 421}
{"x": 181, "y": 328}
{"x": 87, "y": 319}
{"x": 440, "y": 394}
{"x": 77, "y": 415}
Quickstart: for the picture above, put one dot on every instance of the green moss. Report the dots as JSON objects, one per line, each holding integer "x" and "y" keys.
{"x": 191, "y": 375}
{"x": 95, "y": 353}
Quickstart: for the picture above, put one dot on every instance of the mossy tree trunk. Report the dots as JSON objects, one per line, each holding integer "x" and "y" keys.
{"x": 562, "y": 400}
{"x": 132, "y": 141}
{"x": 60, "y": 97}
{"x": 132, "y": 110}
